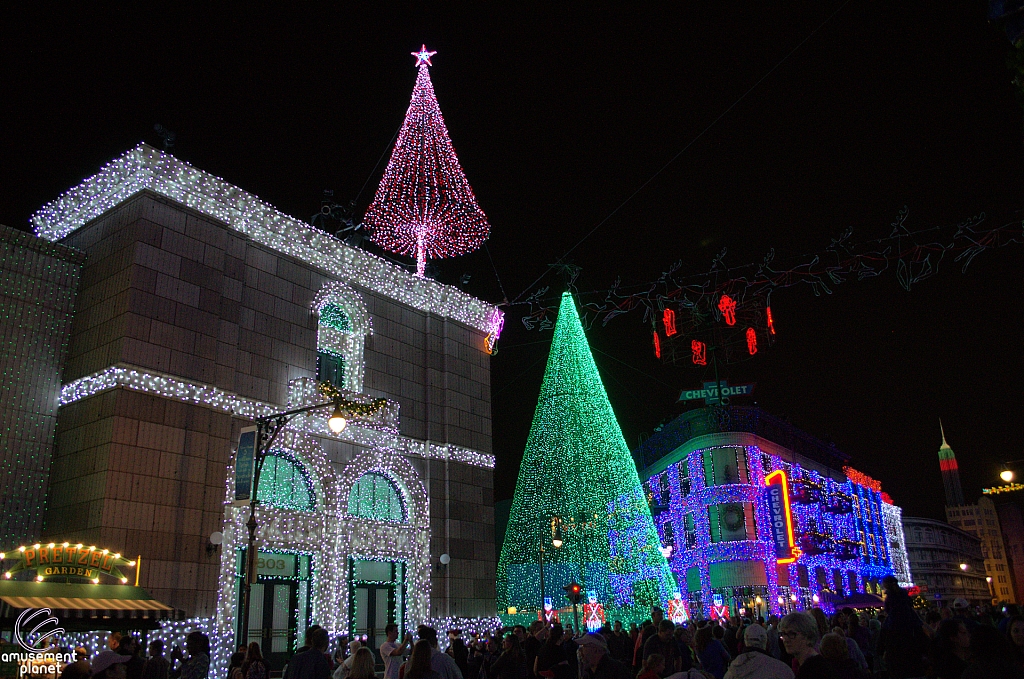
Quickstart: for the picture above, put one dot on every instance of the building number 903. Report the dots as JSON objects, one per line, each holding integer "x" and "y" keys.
{"x": 270, "y": 564}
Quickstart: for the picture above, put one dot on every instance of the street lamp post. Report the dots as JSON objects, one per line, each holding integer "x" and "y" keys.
{"x": 267, "y": 429}
{"x": 1007, "y": 476}
{"x": 542, "y": 594}
{"x": 583, "y": 523}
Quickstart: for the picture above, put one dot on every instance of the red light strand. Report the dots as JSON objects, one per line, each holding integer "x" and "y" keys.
{"x": 751, "y": 341}
{"x": 862, "y": 479}
{"x": 657, "y": 345}
{"x": 727, "y": 305}
{"x": 669, "y": 319}
{"x": 700, "y": 352}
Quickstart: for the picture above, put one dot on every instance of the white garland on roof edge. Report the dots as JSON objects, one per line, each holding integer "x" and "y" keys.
{"x": 144, "y": 167}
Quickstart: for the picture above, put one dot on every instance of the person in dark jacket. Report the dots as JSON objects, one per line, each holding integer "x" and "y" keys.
{"x": 157, "y": 666}
{"x": 130, "y": 646}
{"x": 950, "y": 650}
{"x": 903, "y": 641}
{"x": 798, "y": 632}
{"x": 835, "y": 649}
{"x": 664, "y": 644}
{"x": 534, "y": 640}
{"x": 711, "y": 652}
{"x": 552, "y": 661}
{"x": 458, "y": 651}
{"x": 311, "y": 663}
{"x": 618, "y": 642}
{"x": 511, "y": 664}
{"x": 597, "y": 664}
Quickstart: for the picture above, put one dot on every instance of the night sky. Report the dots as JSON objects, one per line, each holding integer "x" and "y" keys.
{"x": 558, "y": 114}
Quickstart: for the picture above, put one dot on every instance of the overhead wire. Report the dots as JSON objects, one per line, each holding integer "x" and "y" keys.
{"x": 677, "y": 155}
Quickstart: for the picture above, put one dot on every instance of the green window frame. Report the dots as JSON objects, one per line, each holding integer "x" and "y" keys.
{"x": 374, "y": 496}
{"x": 330, "y": 368}
{"x": 283, "y": 483}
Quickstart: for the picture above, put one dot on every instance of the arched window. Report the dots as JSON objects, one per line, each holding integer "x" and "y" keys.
{"x": 330, "y": 359}
{"x": 341, "y": 330}
{"x": 284, "y": 484}
{"x": 374, "y": 496}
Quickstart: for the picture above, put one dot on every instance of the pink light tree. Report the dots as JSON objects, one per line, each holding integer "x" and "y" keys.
{"x": 424, "y": 206}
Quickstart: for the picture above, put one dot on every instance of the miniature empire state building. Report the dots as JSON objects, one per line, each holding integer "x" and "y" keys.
{"x": 980, "y": 520}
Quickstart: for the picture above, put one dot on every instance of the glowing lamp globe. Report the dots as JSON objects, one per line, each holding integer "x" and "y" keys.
{"x": 1006, "y": 475}
{"x": 963, "y": 566}
{"x": 336, "y": 422}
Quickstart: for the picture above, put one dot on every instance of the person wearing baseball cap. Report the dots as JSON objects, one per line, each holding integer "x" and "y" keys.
{"x": 754, "y": 662}
{"x": 595, "y": 661}
{"x": 109, "y": 665}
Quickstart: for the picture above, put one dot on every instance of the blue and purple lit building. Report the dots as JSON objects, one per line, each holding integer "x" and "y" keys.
{"x": 762, "y": 516}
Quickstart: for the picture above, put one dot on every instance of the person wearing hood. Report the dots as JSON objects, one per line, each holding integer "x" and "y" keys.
{"x": 755, "y": 662}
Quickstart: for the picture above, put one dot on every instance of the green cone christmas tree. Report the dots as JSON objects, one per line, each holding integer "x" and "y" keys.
{"x": 578, "y": 486}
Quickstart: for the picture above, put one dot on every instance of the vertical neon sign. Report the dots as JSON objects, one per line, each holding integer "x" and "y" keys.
{"x": 777, "y": 490}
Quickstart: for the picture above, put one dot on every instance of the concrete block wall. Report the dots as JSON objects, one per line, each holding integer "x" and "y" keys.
{"x": 435, "y": 368}
{"x": 462, "y": 526}
{"x": 179, "y": 293}
{"x": 144, "y": 475}
{"x": 38, "y": 284}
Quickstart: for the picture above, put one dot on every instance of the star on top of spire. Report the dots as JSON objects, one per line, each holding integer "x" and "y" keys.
{"x": 423, "y": 56}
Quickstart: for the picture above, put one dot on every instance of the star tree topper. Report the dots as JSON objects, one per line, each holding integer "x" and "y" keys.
{"x": 423, "y": 56}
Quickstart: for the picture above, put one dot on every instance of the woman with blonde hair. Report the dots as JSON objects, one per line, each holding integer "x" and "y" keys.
{"x": 362, "y": 665}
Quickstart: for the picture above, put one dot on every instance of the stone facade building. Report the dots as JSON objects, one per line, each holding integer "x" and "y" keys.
{"x": 982, "y": 520}
{"x": 1011, "y": 521}
{"x": 200, "y": 307}
{"x": 947, "y": 562}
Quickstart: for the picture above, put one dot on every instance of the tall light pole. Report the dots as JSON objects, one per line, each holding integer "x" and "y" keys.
{"x": 267, "y": 429}
{"x": 542, "y": 595}
{"x": 580, "y": 522}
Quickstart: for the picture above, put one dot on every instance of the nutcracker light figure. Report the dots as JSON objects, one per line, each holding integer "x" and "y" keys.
{"x": 550, "y": 615}
{"x": 719, "y": 609}
{"x": 677, "y": 609}
{"x": 593, "y": 613}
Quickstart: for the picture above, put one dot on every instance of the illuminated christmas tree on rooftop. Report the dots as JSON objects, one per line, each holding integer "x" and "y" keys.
{"x": 424, "y": 206}
{"x": 578, "y": 486}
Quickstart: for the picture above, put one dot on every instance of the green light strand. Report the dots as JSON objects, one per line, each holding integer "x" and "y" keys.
{"x": 283, "y": 484}
{"x": 578, "y": 468}
{"x": 333, "y": 316}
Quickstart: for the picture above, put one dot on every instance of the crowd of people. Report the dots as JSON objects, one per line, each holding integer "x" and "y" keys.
{"x": 897, "y": 642}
